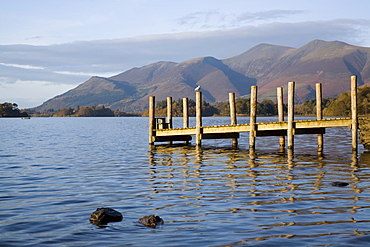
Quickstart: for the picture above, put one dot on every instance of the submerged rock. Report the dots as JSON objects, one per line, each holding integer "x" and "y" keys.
{"x": 339, "y": 184}
{"x": 102, "y": 216}
{"x": 151, "y": 221}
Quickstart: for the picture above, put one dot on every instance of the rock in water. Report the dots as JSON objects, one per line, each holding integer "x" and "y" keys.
{"x": 339, "y": 184}
{"x": 104, "y": 215}
{"x": 151, "y": 221}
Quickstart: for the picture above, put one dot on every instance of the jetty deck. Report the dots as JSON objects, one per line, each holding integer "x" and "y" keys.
{"x": 311, "y": 126}
{"x": 160, "y": 129}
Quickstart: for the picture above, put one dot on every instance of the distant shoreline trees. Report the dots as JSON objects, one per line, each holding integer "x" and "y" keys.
{"x": 86, "y": 111}
{"x": 11, "y": 110}
{"x": 332, "y": 107}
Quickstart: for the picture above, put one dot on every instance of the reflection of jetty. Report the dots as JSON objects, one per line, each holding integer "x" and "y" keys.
{"x": 162, "y": 131}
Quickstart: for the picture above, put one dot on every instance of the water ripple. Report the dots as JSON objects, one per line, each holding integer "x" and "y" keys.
{"x": 56, "y": 171}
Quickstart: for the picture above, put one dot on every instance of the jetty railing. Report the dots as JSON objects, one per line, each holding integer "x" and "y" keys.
{"x": 163, "y": 131}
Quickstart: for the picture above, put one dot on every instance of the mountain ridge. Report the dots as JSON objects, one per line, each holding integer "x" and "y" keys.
{"x": 265, "y": 65}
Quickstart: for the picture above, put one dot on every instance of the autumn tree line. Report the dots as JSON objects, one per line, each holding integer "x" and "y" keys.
{"x": 332, "y": 107}
{"x": 86, "y": 111}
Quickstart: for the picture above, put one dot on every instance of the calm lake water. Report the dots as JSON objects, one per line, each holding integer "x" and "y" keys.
{"x": 55, "y": 172}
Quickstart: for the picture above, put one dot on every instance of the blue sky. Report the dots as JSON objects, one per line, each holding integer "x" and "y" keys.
{"x": 48, "y": 47}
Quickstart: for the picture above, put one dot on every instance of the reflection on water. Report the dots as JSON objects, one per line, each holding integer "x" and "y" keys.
{"x": 265, "y": 196}
{"x": 55, "y": 172}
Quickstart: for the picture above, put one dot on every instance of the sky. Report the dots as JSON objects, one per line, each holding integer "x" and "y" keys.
{"x": 49, "y": 47}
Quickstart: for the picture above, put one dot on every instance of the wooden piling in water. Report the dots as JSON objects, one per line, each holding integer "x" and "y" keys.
{"x": 290, "y": 131}
{"x": 320, "y": 137}
{"x": 151, "y": 119}
{"x": 354, "y": 124}
{"x": 279, "y": 93}
{"x": 169, "y": 112}
{"x": 198, "y": 115}
{"x": 233, "y": 120}
{"x": 185, "y": 112}
{"x": 253, "y": 117}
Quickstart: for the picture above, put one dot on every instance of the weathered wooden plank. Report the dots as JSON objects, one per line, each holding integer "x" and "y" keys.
{"x": 275, "y": 126}
{"x": 324, "y": 123}
{"x": 179, "y": 131}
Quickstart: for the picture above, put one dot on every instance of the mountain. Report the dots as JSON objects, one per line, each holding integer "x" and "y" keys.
{"x": 267, "y": 66}
{"x": 330, "y": 63}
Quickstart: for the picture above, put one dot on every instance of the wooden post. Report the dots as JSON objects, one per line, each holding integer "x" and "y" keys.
{"x": 169, "y": 112}
{"x": 320, "y": 137}
{"x": 151, "y": 119}
{"x": 281, "y": 115}
{"x": 253, "y": 116}
{"x": 354, "y": 112}
{"x": 290, "y": 131}
{"x": 185, "y": 112}
{"x": 198, "y": 115}
{"x": 233, "y": 116}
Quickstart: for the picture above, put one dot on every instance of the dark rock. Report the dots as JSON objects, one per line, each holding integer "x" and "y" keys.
{"x": 339, "y": 184}
{"x": 102, "y": 216}
{"x": 151, "y": 221}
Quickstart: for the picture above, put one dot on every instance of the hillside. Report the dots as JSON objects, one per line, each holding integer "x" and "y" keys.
{"x": 330, "y": 63}
{"x": 267, "y": 66}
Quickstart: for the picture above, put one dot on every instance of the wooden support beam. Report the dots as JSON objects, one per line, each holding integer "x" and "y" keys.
{"x": 253, "y": 117}
{"x": 354, "y": 124}
{"x": 172, "y": 138}
{"x": 307, "y": 131}
{"x": 185, "y": 115}
{"x": 291, "y": 115}
{"x": 169, "y": 112}
{"x": 280, "y": 101}
{"x": 320, "y": 137}
{"x": 169, "y": 115}
{"x": 151, "y": 119}
{"x": 232, "y": 108}
{"x": 198, "y": 116}
{"x": 185, "y": 112}
{"x": 271, "y": 133}
{"x": 303, "y": 131}
{"x": 233, "y": 117}
{"x": 221, "y": 136}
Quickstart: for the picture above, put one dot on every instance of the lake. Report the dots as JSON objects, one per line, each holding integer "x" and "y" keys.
{"x": 55, "y": 172}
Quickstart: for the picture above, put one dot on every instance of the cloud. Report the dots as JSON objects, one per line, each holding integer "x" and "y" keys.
{"x": 267, "y": 15}
{"x": 73, "y": 63}
{"x": 21, "y": 66}
{"x": 201, "y": 18}
{"x": 214, "y": 19}
{"x": 19, "y": 92}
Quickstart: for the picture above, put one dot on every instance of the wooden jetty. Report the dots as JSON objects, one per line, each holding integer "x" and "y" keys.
{"x": 161, "y": 130}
